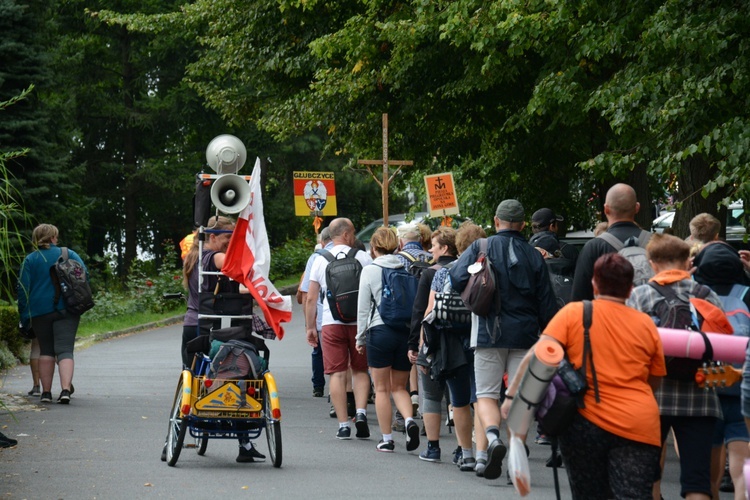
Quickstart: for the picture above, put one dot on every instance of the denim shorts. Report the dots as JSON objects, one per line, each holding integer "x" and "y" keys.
{"x": 733, "y": 427}
{"x": 386, "y": 348}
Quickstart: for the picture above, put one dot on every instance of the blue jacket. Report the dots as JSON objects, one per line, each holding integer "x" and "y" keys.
{"x": 527, "y": 301}
{"x": 36, "y": 293}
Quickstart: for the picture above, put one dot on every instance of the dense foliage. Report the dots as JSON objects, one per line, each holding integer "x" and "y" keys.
{"x": 546, "y": 101}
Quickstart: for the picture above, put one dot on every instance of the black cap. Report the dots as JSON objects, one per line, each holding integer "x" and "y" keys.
{"x": 543, "y": 217}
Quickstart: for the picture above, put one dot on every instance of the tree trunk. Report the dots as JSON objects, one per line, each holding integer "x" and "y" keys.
{"x": 638, "y": 180}
{"x": 690, "y": 180}
{"x": 129, "y": 157}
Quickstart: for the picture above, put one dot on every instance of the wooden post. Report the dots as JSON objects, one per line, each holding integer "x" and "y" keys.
{"x": 385, "y": 162}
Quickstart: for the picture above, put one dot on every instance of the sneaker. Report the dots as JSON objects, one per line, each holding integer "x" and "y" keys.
{"x": 35, "y": 391}
{"x": 412, "y": 436}
{"x": 398, "y": 423}
{"x": 458, "y": 454}
{"x": 72, "y": 389}
{"x": 344, "y": 433}
{"x": 542, "y": 439}
{"x": 479, "y": 468}
{"x": 64, "y": 397}
{"x": 332, "y": 412}
{"x": 317, "y": 392}
{"x": 495, "y": 453}
{"x": 251, "y": 455}
{"x": 363, "y": 430}
{"x": 7, "y": 442}
{"x": 414, "y": 404}
{"x": 351, "y": 407}
{"x": 386, "y": 446}
{"x": 430, "y": 455}
{"x": 467, "y": 464}
{"x": 46, "y": 397}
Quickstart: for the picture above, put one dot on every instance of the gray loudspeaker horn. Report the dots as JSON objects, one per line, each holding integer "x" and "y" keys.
{"x": 226, "y": 154}
{"x": 230, "y": 193}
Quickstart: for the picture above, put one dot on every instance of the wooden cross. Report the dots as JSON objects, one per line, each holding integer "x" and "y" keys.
{"x": 385, "y": 162}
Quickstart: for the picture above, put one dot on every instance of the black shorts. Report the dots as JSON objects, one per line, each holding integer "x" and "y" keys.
{"x": 387, "y": 347}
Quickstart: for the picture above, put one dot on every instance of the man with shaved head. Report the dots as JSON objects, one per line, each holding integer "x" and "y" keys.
{"x": 620, "y": 207}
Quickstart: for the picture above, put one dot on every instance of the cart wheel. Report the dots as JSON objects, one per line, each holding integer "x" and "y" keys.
{"x": 202, "y": 443}
{"x": 273, "y": 431}
{"x": 177, "y": 428}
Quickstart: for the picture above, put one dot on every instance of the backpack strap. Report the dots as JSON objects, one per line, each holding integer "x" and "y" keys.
{"x": 407, "y": 256}
{"x": 738, "y": 291}
{"x": 55, "y": 278}
{"x": 613, "y": 240}
{"x": 643, "y": 238}
{"x": 352, "y": 253}
{"x": 483, "y": 245}
{"x": 588, "y": 312}
{"x": 325, "y": 253}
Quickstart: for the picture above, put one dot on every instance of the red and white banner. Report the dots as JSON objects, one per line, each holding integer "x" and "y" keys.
{"x": 248, "y": 259}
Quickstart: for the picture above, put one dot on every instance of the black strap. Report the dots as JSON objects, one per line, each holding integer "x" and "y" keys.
{"x": 55, "y": 278}
{"x": 588, "y": 309}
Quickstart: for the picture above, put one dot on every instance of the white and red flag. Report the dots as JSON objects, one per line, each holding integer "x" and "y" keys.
{"x": 248, "y": 259}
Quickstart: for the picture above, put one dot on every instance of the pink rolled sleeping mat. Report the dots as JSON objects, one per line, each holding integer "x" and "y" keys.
{"x": 687, "y": 344}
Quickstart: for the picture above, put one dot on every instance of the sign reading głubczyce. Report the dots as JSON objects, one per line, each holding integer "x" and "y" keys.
{"x": 314, "y": 193}
{"x": 441, "y": 194}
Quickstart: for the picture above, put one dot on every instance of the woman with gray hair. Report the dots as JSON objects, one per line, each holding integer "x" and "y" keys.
{"x": 42, "y": 309}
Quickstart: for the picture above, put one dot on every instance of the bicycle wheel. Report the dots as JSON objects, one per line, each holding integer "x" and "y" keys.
{"x": 273, "y": 431}
{"x": 177, "y": 428}
{"x": 202, "y": 443}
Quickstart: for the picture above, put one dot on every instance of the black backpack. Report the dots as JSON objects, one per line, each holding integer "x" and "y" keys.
{"x": 673, "y": 312}
{"x": 70, "y": 281}
{"x": 236, "y": 360}
{"x": 342, "y": 284}
{"x": 561, "y": 276}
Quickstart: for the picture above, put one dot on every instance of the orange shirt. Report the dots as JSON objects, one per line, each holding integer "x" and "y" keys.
{"x": 627, "y": 349}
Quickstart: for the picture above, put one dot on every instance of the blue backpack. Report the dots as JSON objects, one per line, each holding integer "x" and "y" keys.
{"x": 738, "y": 315}
{"x": 397, "y": 297}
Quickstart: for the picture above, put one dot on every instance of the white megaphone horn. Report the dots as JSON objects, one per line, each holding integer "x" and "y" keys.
{"x": 226, "y": 154}
{"x": 230, "y": 193}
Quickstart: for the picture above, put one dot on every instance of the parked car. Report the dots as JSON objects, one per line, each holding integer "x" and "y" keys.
{"x": 397, "y": 220}
{"x": 735, "y": 229}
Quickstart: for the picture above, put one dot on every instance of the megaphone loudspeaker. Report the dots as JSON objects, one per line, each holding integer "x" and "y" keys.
{"x": 226, "y": 154}
{"x": 230, "y": 193}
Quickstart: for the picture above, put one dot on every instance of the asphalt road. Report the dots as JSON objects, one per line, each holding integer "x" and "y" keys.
{"x": 106, "y": 443}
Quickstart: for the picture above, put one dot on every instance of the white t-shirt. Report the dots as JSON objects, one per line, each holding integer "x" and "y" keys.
{"x": 318, "y": 274}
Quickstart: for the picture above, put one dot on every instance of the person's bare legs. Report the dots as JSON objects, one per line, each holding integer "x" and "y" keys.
{"x": 337, "y": 391}
{"x": 400, "y": 395}
{"x": 46, "y": 372}
{"x": 381, "y": 379}
{"x": 361, "y": 388}
{"x": 462, "y": 421}
{"x": 738, "y": 453}
{"x": 65, "y": 369}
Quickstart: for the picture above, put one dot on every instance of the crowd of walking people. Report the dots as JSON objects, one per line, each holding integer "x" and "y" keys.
{"x": 472, "y": 365}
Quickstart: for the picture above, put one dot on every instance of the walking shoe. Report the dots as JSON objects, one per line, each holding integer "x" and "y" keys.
{"x": 332, "y": 412}
{"x": 542, "y": 439}
{"x": 554, "y": 460}
{"x": 35, "y": 391}
{"x": 344, "y": 433}
{"x": 317, "y": 392}
{"x": 363, "y": 430}
{"x": 398, "y": 423}
{"x": 7, "y": 442}
{"x": 481, "y": 465}
{"x": 251, "y": 455}
{"x": 458, "y": 454}
{"x": 46, "y": 397}
{"x": 64, "y": 397}
{"x": 467, "y": 464}
{"x": 412, "y": 436}
{"x": 430, "y": 455}
{"x": 495, "y": 453}
{"x": 386, "y": 446}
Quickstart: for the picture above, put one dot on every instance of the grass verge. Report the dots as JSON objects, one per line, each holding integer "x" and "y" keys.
{"x": 117, "y": 323}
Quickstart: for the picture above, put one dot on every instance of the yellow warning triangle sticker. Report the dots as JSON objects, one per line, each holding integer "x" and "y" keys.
{"x": 226, "y": 397}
